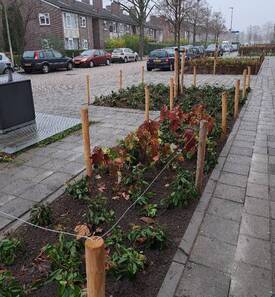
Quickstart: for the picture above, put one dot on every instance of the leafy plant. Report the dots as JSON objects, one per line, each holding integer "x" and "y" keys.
{"x": 9, "y": 286}
{"x": 211, "y": 159}
{"x": 79, "y": 189}
{"x": 115, "y": 238}
{"x": 65, "y": 258}
{"x": 125, "y": 262}
{"x": 148, "y": 236}
{"x": 5, "y": 158}
{"x": 97, "y": 212}
{"x": 8, "y": 250}
{"x": 41, "y": 215}
{"x": 150, "y": 210}
{"x": 183, "y": 190}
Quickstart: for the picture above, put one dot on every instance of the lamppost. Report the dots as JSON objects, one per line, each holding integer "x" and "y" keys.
{"x": 231, "y": 23}
{"x": 8, "y": 33}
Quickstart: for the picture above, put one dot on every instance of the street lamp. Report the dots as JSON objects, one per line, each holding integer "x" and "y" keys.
{"x": 231, "y": 23}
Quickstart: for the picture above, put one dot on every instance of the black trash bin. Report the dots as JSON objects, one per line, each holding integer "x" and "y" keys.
{"x": 16, "y": 105}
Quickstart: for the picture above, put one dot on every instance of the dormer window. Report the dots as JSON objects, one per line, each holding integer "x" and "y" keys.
{"x": 44, "y": 19}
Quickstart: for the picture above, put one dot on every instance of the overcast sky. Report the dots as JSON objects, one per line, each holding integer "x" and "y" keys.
{"x": 246, "y": 12}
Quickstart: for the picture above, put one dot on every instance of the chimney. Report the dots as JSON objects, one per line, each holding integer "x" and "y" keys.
{"x": 115, "y": 8}
{"x": 98, "y": 4}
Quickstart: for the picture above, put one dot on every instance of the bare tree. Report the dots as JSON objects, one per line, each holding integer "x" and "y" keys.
{"x": 217, "y": 25}
{"x": 139, "y": 10}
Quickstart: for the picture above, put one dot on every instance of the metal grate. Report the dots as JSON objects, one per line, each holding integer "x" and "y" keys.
{"x": 45, "y": 127}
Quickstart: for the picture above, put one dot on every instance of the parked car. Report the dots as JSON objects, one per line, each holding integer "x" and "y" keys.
{"x": 212, "y": 48}
{"x": 45, "y": 61}
{"x": 200, "y": 49}
{"x": 92, "y": 57}
{"x": 5, "y": 63}
{"x": 124, "y": 55}
{"x": 161, "y": 59}
{"x": 189, "y": 51}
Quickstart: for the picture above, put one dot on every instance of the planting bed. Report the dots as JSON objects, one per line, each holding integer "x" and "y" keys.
{"x": 140, "y": 250}
{"x": 233, "y": 66}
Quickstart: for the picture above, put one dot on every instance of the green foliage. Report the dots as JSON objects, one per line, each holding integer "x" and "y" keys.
{"x": 148, "y": 236}
{"x": 97, "y": 212}
{"x": 183, "y": 190}
{"x": 211, "y": 159}
{"x": 52, "y": 41}
{"x": 65, "y": 258}
{"x": 9, "y": 287}
{"x": 150, "y": 210}
{"x": 79, "y": 189}
{"x": 126, "y": 262}
{"x": 5, "y": 158}
{"x": 115, "y": 238}
{"x": 8, "y": 250}
{"x": 41, "y": 215}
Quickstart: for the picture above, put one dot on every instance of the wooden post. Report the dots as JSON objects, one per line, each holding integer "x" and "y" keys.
{"x": 120, "y": 80}
{"x": 88, "y": 89}
{"x": 86, "y": 140}
{"x": 244, "y": 82}
{"x": 95, "y": 267}
{"x": 248, "y": 77}
{"x": 182, "y": 71}
{"x": 142, "y": 75}
{"x": 195, "y": 76}
{"x": 176, "y": 67}
{"x": 201, "y": 155}
{"x": 171, "y": 93}
{"x": 237, "y": 98}
{"x": 224, "y": 113}
{"x": 215, "y": 64}
{"x": 147, "y": 103}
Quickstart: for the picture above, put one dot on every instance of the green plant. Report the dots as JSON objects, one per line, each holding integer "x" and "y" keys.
{"x": 97, "y": 212}
{"x": 79, "y": 189}
{"x": 183, "y": 190}
{"x": 41, "y": 215}
{"x": 148, "y": 236}
{"x": 9, "y": 287}
{"x": 65, "y": 258}
{"x": 211, "y": 159}
{"x": 8, "y": 250}
{"x": 125, "y": 262}
{"x": 150, "y": 210}
{"x": 4, "y": 158}
{"x": 115, "y": 238}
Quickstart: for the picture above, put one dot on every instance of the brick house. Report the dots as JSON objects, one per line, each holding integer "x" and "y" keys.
{"x": 76, "y": 24}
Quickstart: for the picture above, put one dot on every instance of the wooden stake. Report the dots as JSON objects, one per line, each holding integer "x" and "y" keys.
{"x": 215, "y": 65}
{"x": 182, "y": 71}
{"x": 224, "y": 113}
{"x": 176, "y": 67}
{"x": 120, "y": 80}
{"x": 88, "y": 89}
{"x": 147, "y": 103}
{"x": 171, "y": 93}
{"x": 201, "y": 155}
{"x": 195, "y": 76}
{"x": 86, "y": 140}
{"x": 248, "y": 77}
{"x": 95, "y": 267}
{"x": 237, "y": 98}
{"x": 244, "y": 82}
{"x": 142, "y": 75}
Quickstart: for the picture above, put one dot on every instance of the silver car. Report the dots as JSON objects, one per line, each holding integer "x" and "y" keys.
{"x": 5, "y": 63}
{"x": 124, "y": 55}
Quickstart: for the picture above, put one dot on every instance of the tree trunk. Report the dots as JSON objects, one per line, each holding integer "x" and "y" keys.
{"x": 141, "y": 41}
{"x": 194, "y": 33}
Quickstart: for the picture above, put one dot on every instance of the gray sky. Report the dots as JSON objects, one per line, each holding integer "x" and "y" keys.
{"x": 246, "y": 12}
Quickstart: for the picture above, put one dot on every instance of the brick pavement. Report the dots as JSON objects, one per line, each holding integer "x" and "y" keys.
{"x": 228, "y": 249}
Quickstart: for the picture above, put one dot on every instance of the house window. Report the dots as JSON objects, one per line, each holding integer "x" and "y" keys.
{"x": 70, "y": 20}
{"x": 71, "y": 43}
{"x": 105, "y": 25}
{"x": 85, "y": 44}
{"x": 83, "y": 22}
{"x": 44, "y": 19}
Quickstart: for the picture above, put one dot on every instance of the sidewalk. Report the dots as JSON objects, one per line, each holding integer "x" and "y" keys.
{"x": 228, "y": 249}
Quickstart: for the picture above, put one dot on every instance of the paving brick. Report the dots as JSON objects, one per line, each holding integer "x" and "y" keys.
{"x": 37, "y": 192}
{"x": 248, "y": 280}
{"x": 230, "y": 192}
{"x": 254, "y": 252}
{"x": 17, "y": 207}
{"x": 226, "y": 209}
{"x": 56, "y": 180}
{"x": 255, "y": 226}
{"x": 242, "y": 151}
{"x": 213, "y": 253}
{"x": 221, "y": 229}
{"x": 257, "y": 191}
{"x": 233, "y": 179}
{"x": 241, "y": 169}
{"x": 201, "y": 281}
{"x": 17, "y": 186}
{"x": 258, "y": 178}
{"x": 255, "y": 206}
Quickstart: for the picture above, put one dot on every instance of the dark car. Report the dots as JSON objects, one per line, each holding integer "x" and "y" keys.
{"x": 212, "y": 49}
{"x": 92, "y": 57}
{"x": 161, "y": 59}
{"x": 189, "y": 52}
{"x": 45, "y": 61}
{"x": 200, "y": 50}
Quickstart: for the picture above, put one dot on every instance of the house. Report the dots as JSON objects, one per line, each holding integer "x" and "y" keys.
{"x": 76, "y": 24}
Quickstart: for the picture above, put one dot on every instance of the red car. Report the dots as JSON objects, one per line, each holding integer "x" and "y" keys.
{"x": 91, "y": 58}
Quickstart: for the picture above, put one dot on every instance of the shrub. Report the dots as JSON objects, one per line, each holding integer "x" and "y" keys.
{"x": 8, "y": 250}
{"x": 9, "y": 287}
{"x": 79, "y": 189}
{"x": 41, "y": 215}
